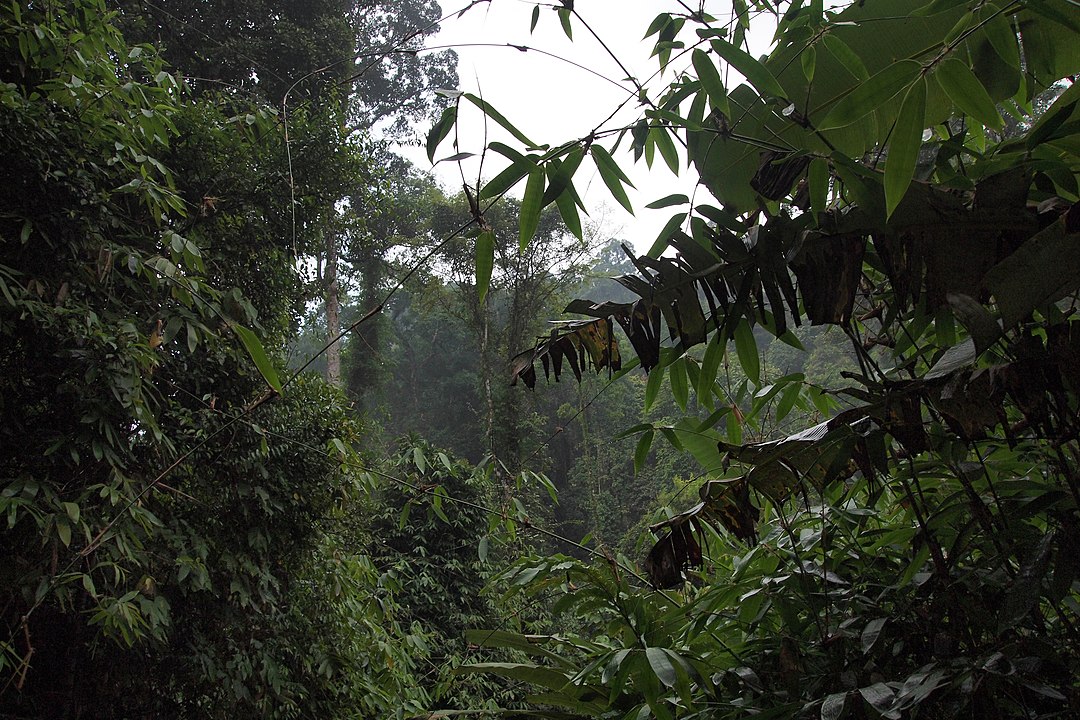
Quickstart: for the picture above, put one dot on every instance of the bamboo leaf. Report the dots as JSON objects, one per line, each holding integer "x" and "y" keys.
{"x": 808, "y": 59}
{"x": 569, "y": 212}
{"x": 664, "y": 238}
{"x": 564, "y": 20}
{"x": 498, "y": 117}
{"x": 746, "y": 349}
{"x": 440, "y": 130}
{"x": 641, "y": 451}
{"x": 507, "y": 179}
{"x": 679, "y": 386}
{"x": 904, "y": 146}
{"x": 485, "y": 261}
{"x": 612, "y": 175}
{"x": 667, "y": 148}
{"x": 530, "y": 208}
{"x": 255, "y": 351}
{"x": 846, "y": 57}
{"x": 535, "y": 18}
{"x": 755, "y": 73}
{"x": 652, "y": 387}
{"x": 870, "y": 95}
{"x": 710, "y": 80}
{"x": 710, "y": 365}
{"x": 668, "y": 201}
{"x": 964, "y": 89}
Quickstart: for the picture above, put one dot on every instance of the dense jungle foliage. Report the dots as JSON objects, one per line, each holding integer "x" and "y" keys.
{"x": 274, "y": 442}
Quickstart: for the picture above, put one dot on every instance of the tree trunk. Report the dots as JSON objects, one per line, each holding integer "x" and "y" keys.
{"x": 333, "y": 310}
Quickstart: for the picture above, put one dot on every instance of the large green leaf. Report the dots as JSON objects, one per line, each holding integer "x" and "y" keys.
{"x": 485, "y": 261}
{"x": 757, "y": 74}
{"x": 904, "y": 145}
{"x": 870, "y": 95}
{"x": 499, "y": 118}
{"x": 531, "y": 206}
{"x": 440, "y": 130}
{"x": 964, "y": 89}
{"x": 612, "y": 175}
{"x": 255, "y": 351}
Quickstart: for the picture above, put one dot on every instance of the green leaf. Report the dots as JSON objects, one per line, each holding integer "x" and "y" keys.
{"x": 666, "y": 233}
{"x": 507, "y": 179}
{"x": 661, "y": 665}
{"x": 666, "y": 146}
{"x": 846, "y": 57}
{"x": 999, "y": 31}
{"x": 870, "y": 95}
{"x": 564, "y": 20}
{"x": 746, "y": 349}
{"x": 498, "y": 117}
{"x": 710, "y": 365}
{"x": 561, "y": 175}
{"x": 531, "y": 207}
{"x": 964, "y": 89}
{"x": 677, "y": 378}
{"x": 440, "y": 130}
{"x": 710, "y": 80}
{"x": 904, "y": 145}
{"x": 482, "y": 549}
{"x": 652, "y": 387}
{"x": 808, "y": 59}
{"x": 871, "y": 633}
{"x": 258, "y": 356}
{"x": 63, "y": 530}
{"x": 485, "y": 261}
{"x": 787, "y": 401}
{"x": 535, "y": 18}
{"x": 72, "y": 511}
{"x": 833, "y": 706}
{"x": 569, "y": 212}
{"x": 641, "y": 450}
{"x": 668, "y": 201}
{"x": 612, "y": 175}
{"x": 756, "y": 73}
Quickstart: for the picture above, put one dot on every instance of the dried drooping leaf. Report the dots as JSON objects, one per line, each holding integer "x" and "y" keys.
{"x": 728, "y": 501}
{"x": 674, "y": 552}
{"x": 777, "y": 173}
{"x": 829, "y": 269}
{"x": 902, "y": 418}
{"x": 1043, "y": 270}
{"x": 818, "y": 455}
{"x": 578, "y": 343}
{"x": 969, "y": 402}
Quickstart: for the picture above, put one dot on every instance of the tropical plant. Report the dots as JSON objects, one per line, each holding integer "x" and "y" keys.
{"x": 914, "y": 552}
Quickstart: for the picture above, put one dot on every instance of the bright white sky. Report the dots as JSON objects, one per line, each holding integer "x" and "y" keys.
{"x": 552, "y": 101}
